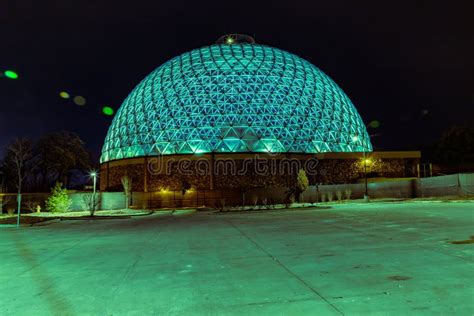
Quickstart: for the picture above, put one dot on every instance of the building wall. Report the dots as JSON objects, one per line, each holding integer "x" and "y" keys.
{"x": 332, "y": 168}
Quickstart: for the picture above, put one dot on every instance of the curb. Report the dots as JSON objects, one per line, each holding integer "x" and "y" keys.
{"x": 94, "y": 218}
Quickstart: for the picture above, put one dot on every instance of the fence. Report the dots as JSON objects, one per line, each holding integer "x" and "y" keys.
{"x": 451, "y": 185}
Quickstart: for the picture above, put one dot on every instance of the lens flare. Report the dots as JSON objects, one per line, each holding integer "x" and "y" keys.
{"x": 11, "y": 74}
{"x": 374, "y": 124}
{"x": 64, "y": 95}
{"x": 107, "y": 110}
{"x": 79, "y": 100}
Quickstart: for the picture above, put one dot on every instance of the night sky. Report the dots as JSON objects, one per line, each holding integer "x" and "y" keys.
{"x": 410, "y": 65}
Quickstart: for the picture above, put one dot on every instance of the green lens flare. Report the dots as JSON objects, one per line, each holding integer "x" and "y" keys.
{"x": 11, "y": 74}
{"x": 374, "y": 124}
{"x": 107, "y": 110}
{"x": 64, "y": 95}
{"x": 79, "y": 100}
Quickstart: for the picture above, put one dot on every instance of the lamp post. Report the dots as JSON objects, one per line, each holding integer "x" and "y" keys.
{"x": 366, "y": 191}
{"x": 355, "y": 138}
{"x": 94, "y": 177}
{"x": 93, "y": 174}
{"x": 366, "y": 194}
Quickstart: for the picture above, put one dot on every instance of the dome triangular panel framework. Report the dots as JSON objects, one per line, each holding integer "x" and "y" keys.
{"x": 235, "y": 98}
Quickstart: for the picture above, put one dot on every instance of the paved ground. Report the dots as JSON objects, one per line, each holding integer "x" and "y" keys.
{"x": 377, "y": 259}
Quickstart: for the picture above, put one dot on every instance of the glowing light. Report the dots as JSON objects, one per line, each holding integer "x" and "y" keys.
{"x": 64, "y": 95}
{"x": 367, "y": 161}
{"x": 374, "y": 124}
{"x": 229, "y": 40}
{"x": 250, "y": 98}
{"x": 79, "y": 100}
{"x": 11, "y": 74}
{"x": 107, "y": 110}
{"x": 355, "y": 138}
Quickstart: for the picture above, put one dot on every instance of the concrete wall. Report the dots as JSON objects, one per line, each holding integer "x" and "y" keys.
{"x": 457, "y": 184}
{"x": 108, "y": 200}
{"x": 466, "y": 181}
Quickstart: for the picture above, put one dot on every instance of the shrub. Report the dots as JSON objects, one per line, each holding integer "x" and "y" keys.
{"x": 348, "y": 193}
{"x": 4, "y": 200}
{"x": 34, "y": 207}
{"x": 339, "y": 195}
{"x": 58, "y": 201}
{"x": 127, "y": 189}
{"x": 302, "y": 184}
{"x": 270, "y": 204}
{"x": 90, "y": 202}
{"x": 323, "y": 197}
{"x": 220, "y": 205}
{"x": 254, "y": 201}
{"x": 330, "y": 196}
{"x": 185, "y": 187}
{"x": 289, "y": 200}
{"x": 315, "y": 198}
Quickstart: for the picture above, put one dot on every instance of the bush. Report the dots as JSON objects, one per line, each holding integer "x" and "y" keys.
{"x": 315, "y": 198}
{"x": 4, "y": 200}
{"x": 323, "y": 197}
{"x": 302, "y": 184}
{"x": 254, "y": 201}
{"x": 220, "y": 205}
{"x": 58, "y": 201}
{"x": 271, "y": 203}
{"x": 289, "y": 200}
{"x": 339, "y": 195}
{"x": 348, "y": 194}
{"x": 90, "y": 203}
{"x": 127, "y": 189}
{"x": 330, "y": 196}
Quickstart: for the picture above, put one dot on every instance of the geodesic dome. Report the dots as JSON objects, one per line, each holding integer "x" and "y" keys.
{"x": 235, "y": 98}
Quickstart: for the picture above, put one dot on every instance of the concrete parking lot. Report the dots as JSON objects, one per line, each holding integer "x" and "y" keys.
{"x": 352, "y": 259}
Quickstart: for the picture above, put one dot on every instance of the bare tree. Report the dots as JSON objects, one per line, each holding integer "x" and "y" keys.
{"x": 33, "y": 206}
{"x": 90, "y": 202}
{"x": 127, "y": 189}
{"x": 19, "y": 155}
{"x": 4, "y": 199}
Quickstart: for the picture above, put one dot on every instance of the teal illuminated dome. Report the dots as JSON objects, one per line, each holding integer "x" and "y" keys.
{"x": 235, "y": 97}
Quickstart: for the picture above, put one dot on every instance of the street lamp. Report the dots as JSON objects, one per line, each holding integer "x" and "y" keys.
{"x": 366, "y": 160}
{"x": 93, "y": 174}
